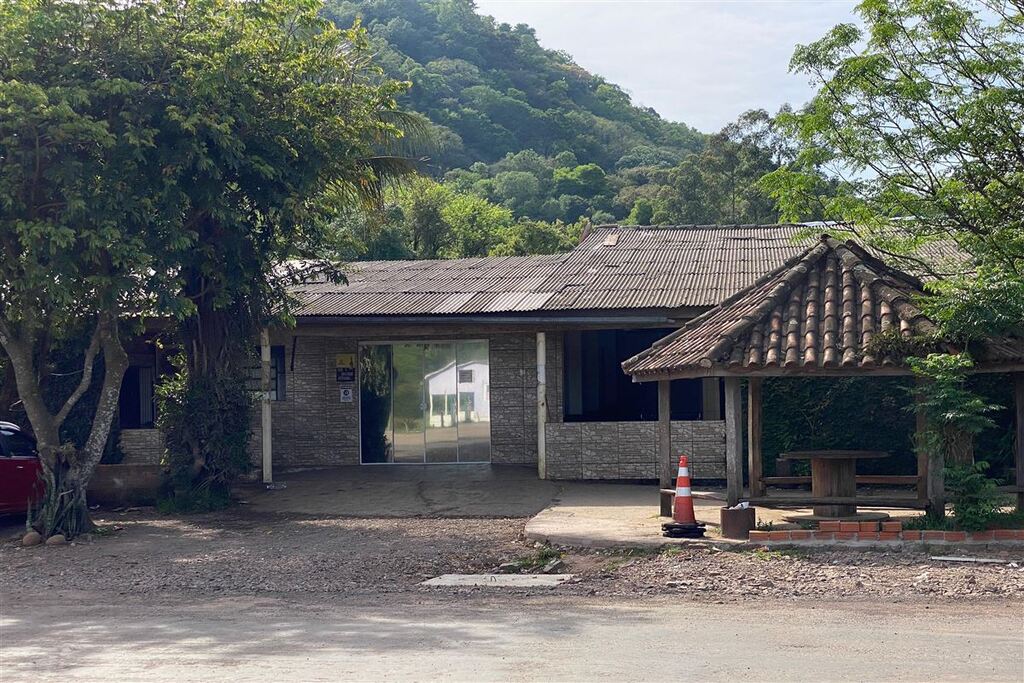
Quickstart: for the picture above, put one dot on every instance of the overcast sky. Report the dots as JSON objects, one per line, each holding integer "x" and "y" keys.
{"x": 702, "y": 62}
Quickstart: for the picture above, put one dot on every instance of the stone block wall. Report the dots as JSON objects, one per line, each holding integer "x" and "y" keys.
{"x": 514, "y": 395}
{"x": 628, "y": 450}
{"x": 142, "y": 446}
{"x": 312, "y": 427}
{"x": 704, "y": 445}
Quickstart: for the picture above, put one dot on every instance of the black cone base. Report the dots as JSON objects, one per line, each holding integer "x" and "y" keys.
{"x": 677, "y": 530}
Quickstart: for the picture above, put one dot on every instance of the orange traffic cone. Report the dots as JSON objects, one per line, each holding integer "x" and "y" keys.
{"x": 684, "y": 521}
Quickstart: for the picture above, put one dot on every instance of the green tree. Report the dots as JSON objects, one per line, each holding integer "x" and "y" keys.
{"x": 170, "y": 155}
{"x": 78, "y": 238}
{"x": 474, "y": 225}
{"x": 917, "y": 117}
{"x": 519, "y": 190}
{"x": 641, "y": 213}
{"x": 537, "y": 237}
{"x": 720, "y": 184}
{"x": 916, "y": 123}
{"x": 422, "y": 204}
{"x": 588, "y": 180}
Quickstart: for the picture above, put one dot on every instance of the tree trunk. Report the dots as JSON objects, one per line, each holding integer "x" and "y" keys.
{"x": 66, "y": 470}
{"x": 959, "y": 447}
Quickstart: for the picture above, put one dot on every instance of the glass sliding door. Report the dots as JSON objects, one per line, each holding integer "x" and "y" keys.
{"x": 442, "y": 432}
{"x": 474, "y": 406}
{"x": 375, "y": 429}
{"x": 425, "y": 402}
{"x": 408, "y": 406}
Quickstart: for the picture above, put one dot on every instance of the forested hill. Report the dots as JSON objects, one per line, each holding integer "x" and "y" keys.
{"x": 532, "y": 148}
{"x": 492, "y": 89}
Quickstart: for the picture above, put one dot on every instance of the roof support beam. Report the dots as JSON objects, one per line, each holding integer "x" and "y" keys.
{"x": 1018, "y": 399}
{"x": 920, "y": 427}
{"x": 931, "y": 467}
{"x": 665, "y": 470}
{"x": 733, "y": 440}
{"x": 755, "y": 467}
{"x": 542, "y": 405}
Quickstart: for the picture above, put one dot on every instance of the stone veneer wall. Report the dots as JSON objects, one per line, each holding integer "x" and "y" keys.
{"x": 311, "y": 427}
{"x": 141, "y": 446}
{"x": 628, "y": 450}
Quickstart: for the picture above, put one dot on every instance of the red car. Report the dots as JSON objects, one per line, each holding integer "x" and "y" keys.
{"x": 19, "y": 469}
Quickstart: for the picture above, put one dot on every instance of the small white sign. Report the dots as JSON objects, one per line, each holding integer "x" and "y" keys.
{"x": 347, "y": 395}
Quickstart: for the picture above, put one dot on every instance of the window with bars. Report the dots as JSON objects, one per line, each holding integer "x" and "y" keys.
{"x": 277, "y": 374}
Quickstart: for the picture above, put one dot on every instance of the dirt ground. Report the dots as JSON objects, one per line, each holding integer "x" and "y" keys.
{"x": 253, "y": 595}
{"x": 248, "y": 552}
{"x": 497, "y": 637}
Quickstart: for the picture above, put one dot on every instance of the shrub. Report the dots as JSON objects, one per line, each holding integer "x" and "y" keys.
{"x": 206, "y": 422}
{"x": 974, "y": 497}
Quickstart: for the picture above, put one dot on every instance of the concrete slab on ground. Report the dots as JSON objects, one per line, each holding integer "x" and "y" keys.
{"x": 499, "y": 580}
{"x": 598, "y": 515}
{"x": 407, "y": 491}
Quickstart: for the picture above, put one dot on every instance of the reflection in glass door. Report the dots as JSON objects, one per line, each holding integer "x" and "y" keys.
{"x": 425, "y": 402}
{"x": 376, "y": 434}
{"x": 474, "y": 404}
{"x": 442, "y": 432}
{"x": 407, "y": 402}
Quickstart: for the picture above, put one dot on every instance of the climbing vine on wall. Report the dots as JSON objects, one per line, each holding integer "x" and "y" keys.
{"x": 871, "y": 413}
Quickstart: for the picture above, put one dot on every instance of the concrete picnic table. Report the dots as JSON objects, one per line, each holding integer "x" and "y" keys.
{"x": 834, "y": 475}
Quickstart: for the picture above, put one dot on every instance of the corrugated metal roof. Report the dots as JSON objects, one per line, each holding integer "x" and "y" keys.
{"x": 613, "y": 268}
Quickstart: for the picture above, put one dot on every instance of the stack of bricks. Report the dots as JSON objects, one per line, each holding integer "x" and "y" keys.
{"x": 837, "y": 531}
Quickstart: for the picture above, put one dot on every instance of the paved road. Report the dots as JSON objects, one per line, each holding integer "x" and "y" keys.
{"x": 101, "y": 636}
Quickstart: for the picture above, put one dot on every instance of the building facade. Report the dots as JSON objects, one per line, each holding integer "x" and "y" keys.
{"x": 506, "y": 360}
{"x": 393, "y": 411}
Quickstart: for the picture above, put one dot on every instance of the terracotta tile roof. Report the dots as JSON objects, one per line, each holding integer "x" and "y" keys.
{"x": 818, "y": 311}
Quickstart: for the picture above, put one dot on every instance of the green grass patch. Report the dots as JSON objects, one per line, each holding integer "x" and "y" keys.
{"x": 769, "y": 554}
{"x": 538, "y": 558}
{"x": 998, "y": 520}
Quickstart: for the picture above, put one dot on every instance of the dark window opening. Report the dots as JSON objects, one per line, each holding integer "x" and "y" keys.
{"x": 597, "y": 390}
{"x": 136, "y": 407}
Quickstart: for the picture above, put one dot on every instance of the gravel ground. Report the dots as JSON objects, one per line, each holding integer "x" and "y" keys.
{"x": 709, "y": 574}
{"x": 242, "y": 552}
{"x": 238, "y": 552}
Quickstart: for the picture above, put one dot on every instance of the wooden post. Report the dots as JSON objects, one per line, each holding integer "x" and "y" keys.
{"x": 936, "y": 485}
{"x": 1018, "y": 400}
{"x": 920, "y": 426}
{"x": 711, "y": 399}
{"x": 542, "y": 405}
{"x": 733, "y": 440}
{"x": 266, "y": 433}
{"x": 754, "y": 463}
{"x": 665, "y": 471}
{"x": 930, "y": 469}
